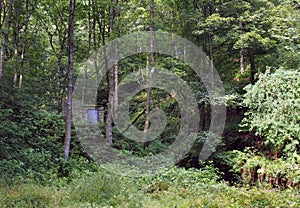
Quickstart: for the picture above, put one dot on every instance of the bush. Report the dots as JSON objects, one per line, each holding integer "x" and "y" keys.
{"x": 274, "y": 110}
{"x": 31, "y": 142}
{"x": 273, "y": 113}
{"x": 255, "y": 168}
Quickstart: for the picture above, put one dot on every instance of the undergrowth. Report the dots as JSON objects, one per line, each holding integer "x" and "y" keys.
{"x": 175, "y": 187}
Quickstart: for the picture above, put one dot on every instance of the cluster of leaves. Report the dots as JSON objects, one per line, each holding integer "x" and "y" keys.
{"x": 31, "y": 141}
{"x": 254, "y": 168}
{"x": 274, "y": 110}
{"x": 272, "y": 114}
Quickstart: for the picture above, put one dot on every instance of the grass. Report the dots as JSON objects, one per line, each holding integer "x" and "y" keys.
{"x": 175, "y": 188}
{"x": 220, "y": 195}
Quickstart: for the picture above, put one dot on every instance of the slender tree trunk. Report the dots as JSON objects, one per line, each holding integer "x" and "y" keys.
{"x": 110, "y": 106}
{"x": 184, "y": 53}
{"x": 242, "y": 67}
{"x": 16, "y": 34}
{"x": 70, "y": 81}
{"x": 205, "y": 41}
{"x": 109, "y": 120}
{"x": 202, "y": 116}
{"x": 150, "y": 73}
{"x": 116, "y": 81}
{"x": 95, "y": 48}
{"x": 116, "y": 88}
{"x": 139, "y": 51}
{"x": 5, "y": 42}
{"x": 1, "y": 48}
{"x": 1, "y": 23}
{"x": 88, "y": 51}
{"x": 1, "y": 6}
{"x": 24, "y": 44}
{"x": 2, "y": 65}
{"x": 211, "y": 55}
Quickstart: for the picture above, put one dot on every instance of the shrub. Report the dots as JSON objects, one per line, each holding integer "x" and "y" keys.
{"x": 274, "y": 110}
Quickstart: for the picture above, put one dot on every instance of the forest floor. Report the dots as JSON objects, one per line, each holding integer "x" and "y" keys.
{"x": 101, "y": 189}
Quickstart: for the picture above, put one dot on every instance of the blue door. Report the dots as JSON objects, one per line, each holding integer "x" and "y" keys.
{"x": 92, "y": 116}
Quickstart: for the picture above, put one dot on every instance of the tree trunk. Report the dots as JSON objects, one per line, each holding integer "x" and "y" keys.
{"x": 242, "y": 67}
{"x": 70, "y": 81}
{"x": 24, "y": 44}
{"x": 1, "y": 48}
{"x": 109, "y": 120}
{"x": 1, "y": 6}
{"x": 16, "y": 35}
{"x": 204, "y": 43}
{"x": 202, "y": 117}
{"x": 88, "y": 52}
{"x": 5, "y": 42}
{"x": 116, "y": 84}
{"x": 95, "y": 48}
{"x": 150, "y": 73}
{"x": 111, "y": 72}
{"x": 211, "y": 56}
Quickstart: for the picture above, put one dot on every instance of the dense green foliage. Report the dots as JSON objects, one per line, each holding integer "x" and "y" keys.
{"x": 273, "y": 114}
{"x": 254, "y": 46}
{"x": 31, "y": 141}
{"x": 274, "y": 110}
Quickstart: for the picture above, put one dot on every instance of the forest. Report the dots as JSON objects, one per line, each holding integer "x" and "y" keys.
{"x": 158, "y": 103}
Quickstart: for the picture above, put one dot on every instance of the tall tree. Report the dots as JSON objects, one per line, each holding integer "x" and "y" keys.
{"x": 88, "y": 49}
{"x": 24, "y": 46}
{"x": 242, "y": 67}
{"x": 1, "y": 7}
{"x": 150, "y": 73}
{"x": 16, "y": 29}
{"x": 5, "y": 41}
{"x": 70, "y": 81}
{"x": 111, "y": 73}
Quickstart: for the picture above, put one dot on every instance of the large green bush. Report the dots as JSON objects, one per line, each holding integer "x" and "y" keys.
{"x": 273, "y": 113}
{"x": 274, "y": 110}
{"x": 31, "y": 141}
